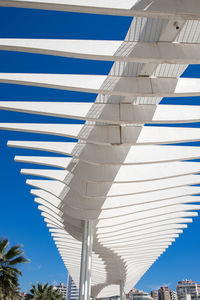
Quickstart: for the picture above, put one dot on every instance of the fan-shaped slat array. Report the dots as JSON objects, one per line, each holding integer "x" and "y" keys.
{"x": 119, "y": 185}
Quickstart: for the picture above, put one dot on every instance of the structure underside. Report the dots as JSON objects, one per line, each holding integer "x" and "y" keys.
{"x": 137, "y": 185}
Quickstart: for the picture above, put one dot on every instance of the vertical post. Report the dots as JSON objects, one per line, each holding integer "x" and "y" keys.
{"x": 83, "y": 262}
{"x": 88, "y": 269}
{"x": 122, "y": 292}
{"x": 86, "y": 261}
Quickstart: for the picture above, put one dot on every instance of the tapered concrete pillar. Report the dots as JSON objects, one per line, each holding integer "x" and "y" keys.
{"x": 86, "y": 261}
{"x": 122, "y": 292}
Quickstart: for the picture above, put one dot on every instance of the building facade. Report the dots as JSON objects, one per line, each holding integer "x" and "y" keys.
{"x": 62, "y": 289}
{"x": 188, "y": 290}
{"x": 154, "y": 295}
{"x": 164, "y": 293}
{"x": 174, "y": 295}
{"x": 72, "y": 290}
{"x": 139, "y": 295}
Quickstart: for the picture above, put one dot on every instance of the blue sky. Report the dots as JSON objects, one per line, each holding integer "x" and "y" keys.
{"x": 20, "y": 220}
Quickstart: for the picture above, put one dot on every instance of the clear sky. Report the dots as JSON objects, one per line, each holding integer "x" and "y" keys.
{"x": 20, "y": 221}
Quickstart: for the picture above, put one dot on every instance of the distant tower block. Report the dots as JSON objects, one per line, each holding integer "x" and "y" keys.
{"x": 72, "y": 290}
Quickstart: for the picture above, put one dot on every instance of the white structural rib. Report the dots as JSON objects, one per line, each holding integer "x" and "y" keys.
{"x": 59, "y": 162}
{"x": 127, "y": 173}
{"x": 140, "y": 52}
{"x": 128, "y": 135}
{"x": 111, "y": 85}
{"x": 172, "y": 9}
{"x": 110, "y": 113}
{"x": 119, "y": 187}
{"x": 111, "y": 155}
{"x": 57, "y": 147}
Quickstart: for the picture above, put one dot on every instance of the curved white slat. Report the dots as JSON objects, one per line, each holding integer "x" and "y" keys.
{"x": 111, "y": 113}
{"x": 139, "y": 215}
{"x": 112, "y": 154}
{"x": 53, "y": 200}
{"x": 54, "y": 174}
{"x": 101, "y": 229}
{"x": 87, "y": 83}
{"x": 81, "y": 202}
{"x": 133, "y": 173}
{"x": 74, "y": 110}
{"x": 123, "y": 86}
{"x": 93, "y": 214}
{"x": 112, "y": 213}
{"x": 52, "y": 220}
{"x": 173, "y": 233}
{"x": 130, "y": 206}
{"x": 159, "y": 114}
{"x": 48, "y": 205}
{"x": 149, "y": 154}
{"x": 177, "y": 223}
{"x": 118, "y": 189}
{"x": 139, "y": 187}
{"x": 97, "y": 134}
{"x": 57, "y": 147}
{"x": 60, "y": 162}
{"x": 158, "y": 135}
{"x": 88, "y": 49}
{"x": 172, "y": 9}
{"x": 149, "y": 52}
{"x": 111, "y": 85}
{"x": 111, "y": 134}
{"x": 101, "y": 189}
{"x": 150, "y": 196}
{"x": 127, "y": 173}
{"x": 56, "y": 129}
{"x": 52, "y": 186}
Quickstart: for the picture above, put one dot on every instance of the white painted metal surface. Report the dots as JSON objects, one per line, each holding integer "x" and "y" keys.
{"x": 171, "y": 9}
{"x": 140, "y": 52}
{"x": 136, "y": 192}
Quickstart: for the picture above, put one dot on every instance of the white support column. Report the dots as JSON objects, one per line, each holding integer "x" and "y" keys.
{"x": 88, "y": 267}
{"x": 122, "y": 292}
{"x": 83, "y": 262}
{"x": 86, "y": 261}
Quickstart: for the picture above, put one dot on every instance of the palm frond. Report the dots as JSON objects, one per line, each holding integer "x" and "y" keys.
{"x": 14, "y": 251}
{"x": 3, "y": 245}
{"x": 18, "y": 260}
{"x": 8, "y": 272}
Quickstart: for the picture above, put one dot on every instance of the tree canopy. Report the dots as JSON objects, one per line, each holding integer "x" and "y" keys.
{"x": 9, "y": 273}
{"x": 44, "y": 292}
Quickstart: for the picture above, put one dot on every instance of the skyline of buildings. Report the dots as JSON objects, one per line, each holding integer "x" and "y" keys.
{"x": 185, "y": 290}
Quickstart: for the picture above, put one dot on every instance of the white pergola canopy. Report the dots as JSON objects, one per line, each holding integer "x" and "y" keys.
{"x": 124, "y": 188}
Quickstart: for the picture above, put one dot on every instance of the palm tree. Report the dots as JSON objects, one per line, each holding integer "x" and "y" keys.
{"x": 44, "y": 292}
{"x": 8, "y": 272}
